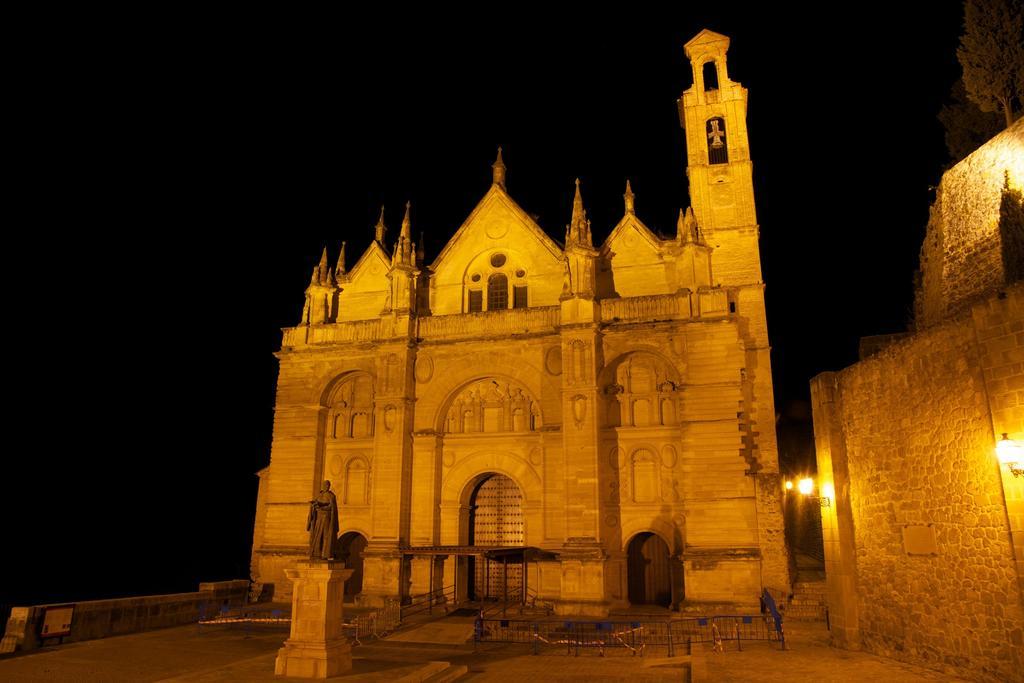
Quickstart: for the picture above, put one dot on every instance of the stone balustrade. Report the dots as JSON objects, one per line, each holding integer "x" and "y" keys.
{"x": 490, "y": 323}
{"x": 702, "y": 304}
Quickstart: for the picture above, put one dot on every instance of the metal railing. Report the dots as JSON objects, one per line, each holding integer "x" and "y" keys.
{"x": 426, "y": 602}
{"x": 633, "y": 637}
{"x": 534, "y": 601}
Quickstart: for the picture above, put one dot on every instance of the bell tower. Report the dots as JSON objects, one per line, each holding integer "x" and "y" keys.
{"x": 714, "y": 114}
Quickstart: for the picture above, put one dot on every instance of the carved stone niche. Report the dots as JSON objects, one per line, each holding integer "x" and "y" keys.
{"x": 642, "y": 392}
{"x": 493, "y": 405}
{"x": 351, "y": 409}
{"x": 646, "y": 482}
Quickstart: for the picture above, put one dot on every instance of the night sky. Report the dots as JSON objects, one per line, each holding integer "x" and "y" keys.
{"x": 198, "y": 172}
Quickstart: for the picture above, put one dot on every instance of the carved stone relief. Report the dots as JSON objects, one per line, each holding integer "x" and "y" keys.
{"x": 493, "y": 405}
{"x": 553, "y": 360}
{"x": 424, "y": 369}
{"x": 579, "y": 410}
{"x": 390, "y": 416}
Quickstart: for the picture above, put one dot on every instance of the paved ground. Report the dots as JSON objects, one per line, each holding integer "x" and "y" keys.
{"x": 228, "y": 654}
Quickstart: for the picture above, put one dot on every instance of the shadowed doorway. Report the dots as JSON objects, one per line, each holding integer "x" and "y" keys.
{"x": 649, "y": 571}
{"x": 496, "y": 519}
{"x": 350, "y": 551}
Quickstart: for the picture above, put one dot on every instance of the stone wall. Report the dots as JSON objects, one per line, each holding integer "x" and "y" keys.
{"x": 920, "y": 543}
{"x": 962, "y": 257}
{"x": 94, "y": 619}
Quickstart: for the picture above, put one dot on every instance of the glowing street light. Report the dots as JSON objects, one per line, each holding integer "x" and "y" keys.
{"x": 806, "y": 488}
{"x": 1011, "y": 454}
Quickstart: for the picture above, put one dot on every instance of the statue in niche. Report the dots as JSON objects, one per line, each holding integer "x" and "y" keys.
{"x": 322, "y": 524}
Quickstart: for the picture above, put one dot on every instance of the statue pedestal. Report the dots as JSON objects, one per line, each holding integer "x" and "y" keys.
{"x": 317, "y": 647}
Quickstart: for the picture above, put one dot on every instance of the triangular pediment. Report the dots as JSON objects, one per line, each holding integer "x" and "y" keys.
{"x": 373, "y": 265}
{"x": 631, "y": 233}
{"x": 704, "y": 38}
{"x": 495, "y": 217}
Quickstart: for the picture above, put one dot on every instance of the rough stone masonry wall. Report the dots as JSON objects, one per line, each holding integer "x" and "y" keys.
{"x": 962, "y": 254}
{"x": 918, "y": 432}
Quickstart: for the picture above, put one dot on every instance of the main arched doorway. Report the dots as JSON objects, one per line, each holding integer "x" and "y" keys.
{"x": 350, "y": 551}
{"x": 649, "y": 571}
{"x": 495, "y": 520}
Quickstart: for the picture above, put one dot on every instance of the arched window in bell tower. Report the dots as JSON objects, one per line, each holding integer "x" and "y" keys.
{"x": 718, "y": 151}
{"x": 710, "y": 76}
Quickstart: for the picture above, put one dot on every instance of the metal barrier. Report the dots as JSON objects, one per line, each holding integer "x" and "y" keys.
{"x": 634, "y": 637}
{"x": 376, "y": 623}
{"x": 248, "y": 618}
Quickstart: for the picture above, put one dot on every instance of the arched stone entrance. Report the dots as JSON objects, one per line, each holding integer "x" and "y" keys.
{"x": 495, "y": 520}
{"x": 350, "y": 550}
{"x": 649, "y": 570}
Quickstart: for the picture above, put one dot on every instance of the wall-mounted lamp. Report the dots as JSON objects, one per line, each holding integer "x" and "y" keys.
{"x": 806, "y": 488}
{"x": 1011, "y": 454}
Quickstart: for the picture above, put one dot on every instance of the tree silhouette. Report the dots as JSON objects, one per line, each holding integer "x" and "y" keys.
{"x": 991, "y": 54}
{"x": 1011, "y": 231}
{"x": 967, "y": 127}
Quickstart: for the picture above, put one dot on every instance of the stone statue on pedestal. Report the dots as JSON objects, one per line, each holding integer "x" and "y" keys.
{"x": 322, "y": 524}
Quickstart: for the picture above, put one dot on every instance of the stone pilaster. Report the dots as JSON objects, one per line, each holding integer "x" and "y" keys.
{"x": 837, "y": 519}
{"x": 583, "y": 557}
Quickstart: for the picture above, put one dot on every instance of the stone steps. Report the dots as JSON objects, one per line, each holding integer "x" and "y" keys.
{"x": 450, "y": 673}
{"x": 809, "y": 601}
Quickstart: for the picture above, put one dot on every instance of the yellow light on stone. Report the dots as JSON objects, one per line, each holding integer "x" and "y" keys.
{"x": 789, "y": 485}
{"x": 827, "y": 490}
{"x": 1011, "y": 454}
{"x": 806, "y": 486}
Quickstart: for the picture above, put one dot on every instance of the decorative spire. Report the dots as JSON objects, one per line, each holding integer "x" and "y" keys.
{"x": 498, "y": 171}
{"x": 578, "y": 230}
{"x": 404, "y": 247}
{"x": 322, "y": 273}
{"x": 406, "y": 223}
{"x": 628, "y": 197}
{"x": 339, "y": 269}
{"x": 687, "y": 230}
{"x": 380, "y": 227}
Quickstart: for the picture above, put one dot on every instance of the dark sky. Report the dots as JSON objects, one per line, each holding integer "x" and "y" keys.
{"x": 195, "y": 169}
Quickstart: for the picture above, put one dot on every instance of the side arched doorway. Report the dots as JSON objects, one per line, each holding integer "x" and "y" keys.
{"x": 495, "y": 520}
{"x": 649, "y": 570}
{"x": 350, "y": 551}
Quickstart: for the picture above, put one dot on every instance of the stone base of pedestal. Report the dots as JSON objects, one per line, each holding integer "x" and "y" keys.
{"x": 313, "y": 660}
{"x": 317, "y": 647}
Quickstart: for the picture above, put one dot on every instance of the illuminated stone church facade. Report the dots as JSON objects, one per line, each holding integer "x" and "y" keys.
{"x": 605, "y": 408}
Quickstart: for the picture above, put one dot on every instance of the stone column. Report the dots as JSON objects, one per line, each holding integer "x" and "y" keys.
{"x": 316, "y": 647}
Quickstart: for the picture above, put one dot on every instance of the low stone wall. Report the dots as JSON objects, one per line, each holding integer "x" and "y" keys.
{"x": 102, "y": 618}
{"x": 924, "y": 534}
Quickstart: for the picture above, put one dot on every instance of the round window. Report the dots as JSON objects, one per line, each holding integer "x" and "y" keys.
{"x": 498, "y": 260}
{"x": 476, "y": 277}
{"x": 520, "y": 273}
